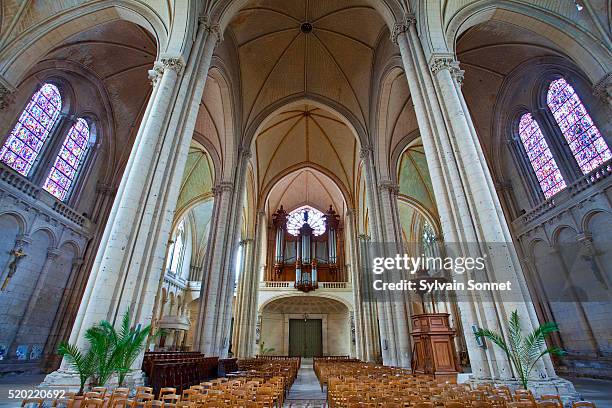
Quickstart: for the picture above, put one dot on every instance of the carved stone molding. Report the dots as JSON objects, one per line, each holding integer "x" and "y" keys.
{"x": 603, "y": 88}
{"x": 402, "y": 26}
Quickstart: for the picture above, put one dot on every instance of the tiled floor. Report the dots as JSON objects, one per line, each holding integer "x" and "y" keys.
{"x": 596, "y": 391}
{"x": 305, "y": 391}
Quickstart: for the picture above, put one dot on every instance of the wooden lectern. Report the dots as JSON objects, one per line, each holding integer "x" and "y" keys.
{"x": 433, "y": 350}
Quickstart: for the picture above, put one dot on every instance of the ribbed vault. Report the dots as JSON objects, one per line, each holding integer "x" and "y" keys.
{"x": 306, "y": 136}
{"x": 306, "y": 187}
{"x": 281, "y": 57}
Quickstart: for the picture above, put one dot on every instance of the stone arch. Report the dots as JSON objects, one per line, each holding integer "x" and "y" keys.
{"x": 585, "y": 50}
{"x": 586, "y": 219}
{"x": 30, "y": 46}
{"x": 345, "y": 114}
{"x": 51, "y": 235}
{"x": 18, "y": 218}
{"x": 265, "y": 192}
{"x": 347, "y": 304}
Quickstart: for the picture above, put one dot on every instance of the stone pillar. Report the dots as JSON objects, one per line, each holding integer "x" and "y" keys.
{"x": 355, "y": 279}
{"x": 258, "y": 267}
{"x": 130, "y": 258}
{"x": 215, "y": 274}
{"x": 384, "y": 309}
{"x": 244, "y": 301}
{"x": 391, "y": 228}
{"x": 470, "y": 212}
{"x": 371, "y": 327}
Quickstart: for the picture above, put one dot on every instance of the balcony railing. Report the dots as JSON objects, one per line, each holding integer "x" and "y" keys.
{"x": 30, "y": 193}
{"x": 566, "y": 198}
{"x": 290, "y": 285}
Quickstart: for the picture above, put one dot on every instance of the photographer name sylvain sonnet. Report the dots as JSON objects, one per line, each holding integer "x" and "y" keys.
{"x": 424, "y": 285}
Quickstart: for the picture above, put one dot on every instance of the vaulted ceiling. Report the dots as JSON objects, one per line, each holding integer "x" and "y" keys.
{"x": 301, "y": 136}
{"x": 330, "y": 56}
{"x": 306, "y": 187}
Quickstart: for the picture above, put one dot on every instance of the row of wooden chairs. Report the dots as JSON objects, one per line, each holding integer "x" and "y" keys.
{"x": 358, "y": 384}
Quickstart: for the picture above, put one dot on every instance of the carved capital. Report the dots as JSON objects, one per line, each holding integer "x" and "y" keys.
{"x": 388, "y": 185}
{"x": 402, "y": 26}
{"x": 211, "y": 27}
{"x": 440, "y": 62}
{"x": 603, "y": 88}
{"x": 364, "y": 237}
{"x": 6, "y": 96}
{"x": 52, "y": 253}
{"x": 77, "y": 262}
{"x": 245, "y": 153}
{"x": 175, "y": 64}
{"x": 223, "y": 187}
{"x": 22, "y": 241}
{"x": 365, "y": 151}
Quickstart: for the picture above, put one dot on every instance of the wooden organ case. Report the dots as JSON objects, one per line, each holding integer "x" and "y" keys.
{"x": 303, "y": 257}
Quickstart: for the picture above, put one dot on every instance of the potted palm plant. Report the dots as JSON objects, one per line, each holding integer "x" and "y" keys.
{"x": 523, "y": 351}
{"x": 81, "y": 362}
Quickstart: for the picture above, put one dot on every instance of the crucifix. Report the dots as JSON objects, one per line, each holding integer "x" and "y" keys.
{"x": 18, "y": 255}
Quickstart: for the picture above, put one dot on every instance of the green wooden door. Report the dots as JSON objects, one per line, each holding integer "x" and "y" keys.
{"x": 305, "y": 338}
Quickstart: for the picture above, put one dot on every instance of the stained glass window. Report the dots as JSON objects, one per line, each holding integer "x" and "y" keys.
{"x": 585, "y": 141}
{"x": 296, "y": 219}
{"x": 69, "y": 160}
{"x": 541, "y": 158}
{"x": 28, "y": 137}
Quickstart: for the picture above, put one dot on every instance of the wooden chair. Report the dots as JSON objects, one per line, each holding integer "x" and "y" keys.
{"x": 144, "y": 390}
{"x": 554, "y": 398}
{"x": 583, "y": 404}
{"x": 453, "y": 404}
{"x": 100, "y": 390}
{"x": 424, "y": 405}
{"x": 166, "y": 390}
{"x": 62, "y": 403}
{"x": 481, "y": 404}
{"x": 29, "y": 401}
{"x": 154, "y": 403}
{"x": 119, "y": 402}
{"x": 519, "y": 404}
{"x": 548, "y": 404}
{"x": 170, "y": 398}
{"x": 141, "y": 399}
{"x": 92, "y": 403}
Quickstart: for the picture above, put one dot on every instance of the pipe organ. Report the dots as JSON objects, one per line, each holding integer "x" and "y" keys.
{"x": 306, "y": 248}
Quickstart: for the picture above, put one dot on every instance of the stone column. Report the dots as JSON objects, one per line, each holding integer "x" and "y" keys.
{"x": 351, "y": 238}
{"x": 258, "y": 266}
{"x": 215, "y": 274}
{"x": 242, "y": 321}
{"x": 130, "y": 258}
{"x": 391, "y": 228}
{"x": 228, "y": 289}
{"x": 371, "y": 327}
{"x": 470, "y": 212}
{"x": 385, "y": 313}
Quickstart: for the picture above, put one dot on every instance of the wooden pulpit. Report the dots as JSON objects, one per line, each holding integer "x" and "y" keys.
{"x": 433, "y": 349}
